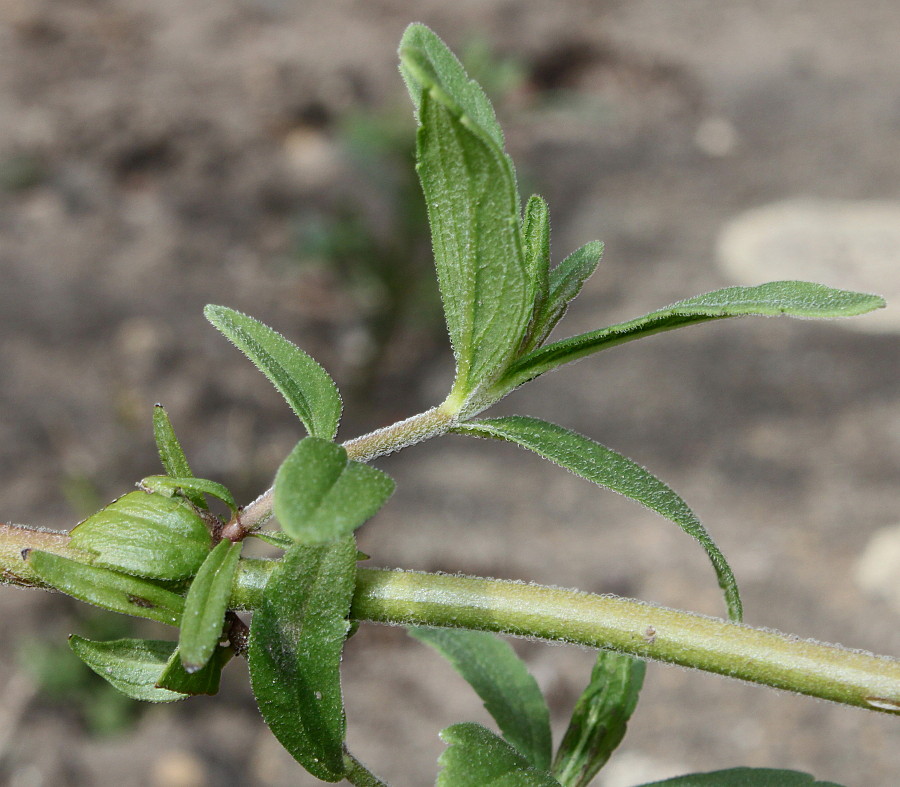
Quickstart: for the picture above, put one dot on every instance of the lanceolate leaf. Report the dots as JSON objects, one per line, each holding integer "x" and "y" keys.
{"x": 566, "y": 281}
{"x": 793, "y": 298}
{"x": 205, "y": 605}
{"x": 145, "y": 534}
{"x": 473, "y": 210}
{"x": 321, "y": 496}
{"x": 476, "y": 757}
{"x": 606, "y": 468}
{"x": 600, "y": 717}
{"x": 510, "y": 694}
{"x": 138, "y": 668}
{"x": 744, "y": 777}
{"x": 190, "y": 487}
{"x": 108, "y": 589}
{"x": 171, "y": 454}
{"x": 304, "y": 384}
{"x": 133, "y": 666}
{"x": 296, "y": 637}
{"x": 536, "y": 236}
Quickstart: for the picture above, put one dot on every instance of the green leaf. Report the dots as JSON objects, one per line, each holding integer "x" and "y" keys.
{"x": 304, "y": 384}
{"x": 536, "y": 235}
{"x": 426, "y": 61}
{"x": 147, "y": 535}
{"x": 108, "y": 589}
{"x": 605, "y": 467}
{"x": 476, "y": 757}
{"x": 296, "y": 637}
{"x": 133, "y": 666}
{"x": 191, "y": 487}
{"x": 510, "y": 693}
{"x": 321, "y": 496}
{"x": 175, "y": 677}
{"x": 792, "y": 298}
{"x": 473, "y": 209}
{"x": 138, "y": 668}
{"x": 744, "y": 777}
{"x": 171, "y": 454}
{"x": 205, "y": 605}
{"x": 275, "y": 538}
{"x": 600, "y": 718}
{"x": 566, "y": 281}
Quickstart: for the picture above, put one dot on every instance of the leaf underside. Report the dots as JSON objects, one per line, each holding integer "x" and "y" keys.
{"x": 606, "y": 468}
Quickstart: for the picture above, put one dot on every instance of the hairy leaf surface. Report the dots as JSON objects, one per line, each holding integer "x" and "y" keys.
{"x": 205, "y": 605}
{"x": 600, "y": 718}
{"x": 321, "y": 496}
{"x": 473, "y": 209}
{"x": 171, "y": 454}
{"x": 476, "y": 757}
{"x": 305, "y": 385}
{"x": 510, "y": 693}
{"x": 111, "y": 590}
{"x": 146, "y": 534}
{"x": 792, "y": 298}
{"x": 607, "y": 468}
{"x": 189, "y": 486}
{"x": 296, "y": 637}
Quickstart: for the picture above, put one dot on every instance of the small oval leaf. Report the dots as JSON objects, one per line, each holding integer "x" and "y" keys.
{"x": 321, "y": 496}
{"x": 205, "y": 605}
{"x": 296, "y": 637}
{"x": 146, "y": 534}
{"x": 111, "y": 590}
{"x": 133, "y": 666}
{"x": 305, "y": 385}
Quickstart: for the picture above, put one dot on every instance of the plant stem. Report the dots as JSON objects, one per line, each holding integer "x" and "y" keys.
{"x": 415, "y": 429}
{"x": 739, "y": 651}
{"x": 412, "y": 598}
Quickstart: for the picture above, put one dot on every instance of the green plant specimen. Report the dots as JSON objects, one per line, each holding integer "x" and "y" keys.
{"x": 160, "y": 553}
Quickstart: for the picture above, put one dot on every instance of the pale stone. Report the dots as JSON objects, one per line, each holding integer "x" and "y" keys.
{"x": 852, "y": 245}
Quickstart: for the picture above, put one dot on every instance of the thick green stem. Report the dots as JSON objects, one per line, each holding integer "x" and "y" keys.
{"x": 411, "y": 598}
{"x": 738, "y": 651}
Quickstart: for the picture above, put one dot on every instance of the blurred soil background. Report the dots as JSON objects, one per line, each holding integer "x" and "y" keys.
{"x": 155, "y": 157}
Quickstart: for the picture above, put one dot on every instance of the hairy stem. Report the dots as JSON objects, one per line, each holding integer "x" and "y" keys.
{"x": 412, "y": 598}
{"x": 415, "y": 429}
{"x": 739, "y": 651}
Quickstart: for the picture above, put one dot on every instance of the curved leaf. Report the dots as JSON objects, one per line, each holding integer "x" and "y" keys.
{"x": 171, "y": 453}
{"x": 607, "y": 468}
{"x": 473, "y": 209}
{"x": 536, "y": 237}
{"x": 305, "y": 385}
{"x": 510, "y": 693}
{"x": 205, "y": 605}
{"x": 133, "y": 666}
{"x": 792, "y": 298}
{"x": 296, "y": 637}
{"x": 191, "y": 488}
{"x": 476, "y": 757}
{"x": 743, "y": 777}
{"x": 111, "y": 590}
{"x": 145, "y": 534}
{"x": 321, "y": 496}
{"x": 600, "y": 718}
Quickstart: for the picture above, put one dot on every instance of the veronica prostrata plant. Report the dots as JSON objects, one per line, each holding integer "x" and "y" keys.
{"x": 160, "y": 553}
